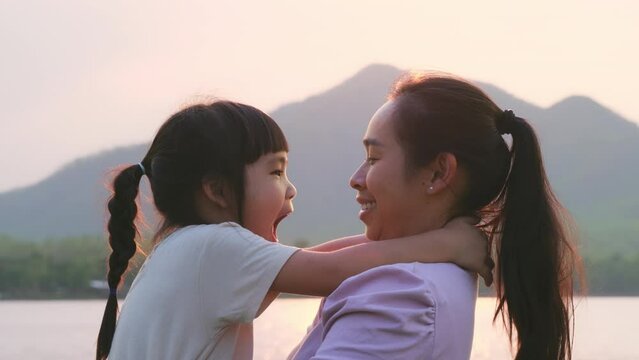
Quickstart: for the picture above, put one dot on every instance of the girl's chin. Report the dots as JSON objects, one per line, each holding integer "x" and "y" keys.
{"x": 270, "y": 236}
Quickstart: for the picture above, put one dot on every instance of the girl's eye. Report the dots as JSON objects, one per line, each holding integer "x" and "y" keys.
{"x": 371, "y": 160}
{"x": 277, "y": 173}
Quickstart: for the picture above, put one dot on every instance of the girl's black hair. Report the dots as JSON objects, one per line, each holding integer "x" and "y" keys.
{"x": 203, "y": 141}
{"x": 509, "y": 190}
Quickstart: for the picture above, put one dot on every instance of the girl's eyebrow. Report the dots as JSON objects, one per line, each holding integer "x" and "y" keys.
{"x": 281, "y": 159}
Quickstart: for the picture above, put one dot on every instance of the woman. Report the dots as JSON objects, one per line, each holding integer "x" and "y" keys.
{"x": 434, "y": 152}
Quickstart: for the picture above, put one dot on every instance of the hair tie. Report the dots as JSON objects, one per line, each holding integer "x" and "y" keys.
{"x": 505, "y": 122}
{"x": 142, "y": 168}
{"x": 113, "y": 291}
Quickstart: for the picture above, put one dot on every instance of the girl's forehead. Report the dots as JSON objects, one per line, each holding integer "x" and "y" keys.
{"x": 275, "y": 157}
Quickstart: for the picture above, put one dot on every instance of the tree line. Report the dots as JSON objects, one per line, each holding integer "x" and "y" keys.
{"x": 74, "y": 267}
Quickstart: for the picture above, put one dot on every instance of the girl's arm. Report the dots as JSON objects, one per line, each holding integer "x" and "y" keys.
{"x": 325, "y": 247}
{"x": 319, "y": 273}
{"x": 340, "y": 243}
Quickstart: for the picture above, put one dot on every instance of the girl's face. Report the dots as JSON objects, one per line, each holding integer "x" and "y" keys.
{"x": 392, "y": 205}
{"x": 268, "y": 194}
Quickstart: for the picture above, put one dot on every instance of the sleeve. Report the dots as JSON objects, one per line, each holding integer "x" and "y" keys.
{"x": 236, "y": 272}
{"x": 384, "y": 313}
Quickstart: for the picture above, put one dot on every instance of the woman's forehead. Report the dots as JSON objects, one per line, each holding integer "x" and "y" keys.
{"x": 379, "y": 128}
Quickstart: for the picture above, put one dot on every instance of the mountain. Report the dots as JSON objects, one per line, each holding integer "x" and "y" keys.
{"x": 591, "y": 156}
{"x": 69, "y": 202}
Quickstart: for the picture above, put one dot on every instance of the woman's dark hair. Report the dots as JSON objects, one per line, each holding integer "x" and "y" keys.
{"x": 204, "y": 141}
{"x": 509, "y": 190}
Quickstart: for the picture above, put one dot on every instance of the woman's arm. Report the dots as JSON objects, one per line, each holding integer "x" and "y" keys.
{"x": 319, "y": 273}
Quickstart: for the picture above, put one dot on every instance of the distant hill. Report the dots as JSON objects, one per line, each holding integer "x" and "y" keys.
{"x": 591, "y": 154}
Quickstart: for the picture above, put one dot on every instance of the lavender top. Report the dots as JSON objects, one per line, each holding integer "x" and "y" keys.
{"x": 399, "y": 311}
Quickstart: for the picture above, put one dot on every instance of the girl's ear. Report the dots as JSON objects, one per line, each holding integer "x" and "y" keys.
{"x": 216, "y": 191}
{"x": 443, "y": 170}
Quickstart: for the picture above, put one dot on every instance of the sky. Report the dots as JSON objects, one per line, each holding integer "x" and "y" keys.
{"x": 78, "y": 77}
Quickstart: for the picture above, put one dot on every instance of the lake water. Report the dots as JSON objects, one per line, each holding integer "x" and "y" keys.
{"x": 606, "y": 328}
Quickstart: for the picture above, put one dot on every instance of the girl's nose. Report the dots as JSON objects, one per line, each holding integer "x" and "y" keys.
{"x": 358, "y": 180}
{"x": 291, "y": 191}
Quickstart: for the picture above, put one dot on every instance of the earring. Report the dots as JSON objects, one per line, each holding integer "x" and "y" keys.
{"x": 430, "y": 188}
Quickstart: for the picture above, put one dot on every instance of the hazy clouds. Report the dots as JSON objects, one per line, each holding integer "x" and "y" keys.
{"x": 81, "y": 76}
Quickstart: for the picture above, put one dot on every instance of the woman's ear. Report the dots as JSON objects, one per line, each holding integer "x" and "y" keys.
{"x": 216, "y": 191}
{"x": 443, "y": 170}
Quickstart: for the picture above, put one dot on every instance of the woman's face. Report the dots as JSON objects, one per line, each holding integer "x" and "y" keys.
{"x": 268, "y": 195}
{"x": 392, "y": 205}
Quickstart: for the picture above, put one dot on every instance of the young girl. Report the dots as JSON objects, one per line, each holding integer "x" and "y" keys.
{"x": 218, "y": 177}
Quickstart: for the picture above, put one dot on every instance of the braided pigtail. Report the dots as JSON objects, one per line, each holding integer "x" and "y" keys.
{"x": 122, "y": 233}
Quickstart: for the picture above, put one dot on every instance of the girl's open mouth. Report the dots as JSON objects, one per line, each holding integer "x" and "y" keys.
{"x": 276, "y": 223}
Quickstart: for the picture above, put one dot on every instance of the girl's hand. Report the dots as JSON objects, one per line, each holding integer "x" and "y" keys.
{"x": 470, "y": 247}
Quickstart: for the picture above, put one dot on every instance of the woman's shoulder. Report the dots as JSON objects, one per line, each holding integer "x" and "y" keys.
{"x": 415, "y": 270}
{"x": 387, "y": 278}
{"x": 431, "y": 270}
{"x": 413, "y": 277}
{"x": 395, "y": 289}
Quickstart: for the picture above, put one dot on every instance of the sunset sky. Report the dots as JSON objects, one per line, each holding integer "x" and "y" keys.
{"x": 83, "y": 76}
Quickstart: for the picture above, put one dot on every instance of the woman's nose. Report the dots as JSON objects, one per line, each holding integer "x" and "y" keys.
{"x": 358, "y": 180}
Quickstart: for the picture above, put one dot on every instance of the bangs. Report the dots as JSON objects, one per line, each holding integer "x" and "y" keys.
{"x": 263, "y": 135}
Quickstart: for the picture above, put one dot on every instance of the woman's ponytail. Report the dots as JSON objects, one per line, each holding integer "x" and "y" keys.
{"x": 535, "y": 256}
{"x": 509, "y": 190}
{"x": 122, "y": 232}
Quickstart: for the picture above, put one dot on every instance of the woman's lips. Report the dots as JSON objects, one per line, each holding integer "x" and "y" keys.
{"x": 366, "y": 206}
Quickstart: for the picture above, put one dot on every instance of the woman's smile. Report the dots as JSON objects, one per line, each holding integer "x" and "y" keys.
{"x": 367, "y": 206}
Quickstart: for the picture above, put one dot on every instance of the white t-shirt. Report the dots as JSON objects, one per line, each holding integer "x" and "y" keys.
{"x": 197, "y": 294}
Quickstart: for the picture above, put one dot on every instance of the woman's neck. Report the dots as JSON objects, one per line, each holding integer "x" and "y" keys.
{"x": 416, "y": 224}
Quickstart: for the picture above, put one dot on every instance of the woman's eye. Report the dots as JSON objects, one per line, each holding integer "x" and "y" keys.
{"x": 371, "y": 160}
{"x": 277, "y": 172}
